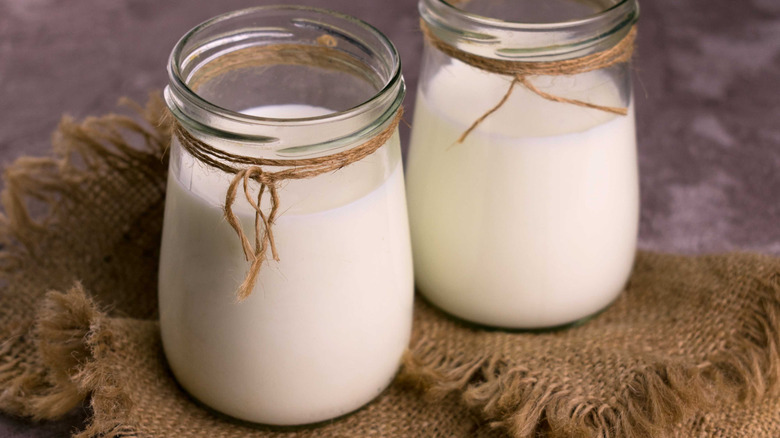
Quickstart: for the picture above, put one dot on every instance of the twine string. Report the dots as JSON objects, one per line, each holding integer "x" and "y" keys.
{"x": 247, "y": 169}
{"x": 520, "y": 71}
{"x": 489, "y": 112}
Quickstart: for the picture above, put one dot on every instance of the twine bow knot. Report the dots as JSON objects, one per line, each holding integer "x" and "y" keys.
{"x": 264, "y": 235}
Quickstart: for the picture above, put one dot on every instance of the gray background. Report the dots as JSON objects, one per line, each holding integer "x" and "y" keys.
{"x": 707, "y": 84}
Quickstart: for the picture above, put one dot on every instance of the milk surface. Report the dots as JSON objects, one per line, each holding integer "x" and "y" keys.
{"x": 325, "y": 328}
{"x": 532, "y": 221}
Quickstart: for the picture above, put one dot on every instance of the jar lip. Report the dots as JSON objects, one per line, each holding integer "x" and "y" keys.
{"x": 528, "y": 41}
{"x": 179, "y": 85}
{"x": 520, "y": 25}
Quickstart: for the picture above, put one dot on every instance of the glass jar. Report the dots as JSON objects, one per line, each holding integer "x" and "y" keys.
{"x": 324, "y": 328}
{"x": 531, "y": 220}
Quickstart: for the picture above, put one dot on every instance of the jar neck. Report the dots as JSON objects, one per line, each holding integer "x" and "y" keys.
{"x": 226, "y": 65}
{"x": 529, "y": 41}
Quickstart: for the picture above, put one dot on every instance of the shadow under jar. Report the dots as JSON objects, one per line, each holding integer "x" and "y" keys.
{"x": 524, "y": 201}
{"x": 324, "y": 328}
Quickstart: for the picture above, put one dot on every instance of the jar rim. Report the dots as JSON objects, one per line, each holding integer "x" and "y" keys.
{"x": 523, "y": 25}
{"x": 179, "y": 90}
{"x": 542, "y": 41}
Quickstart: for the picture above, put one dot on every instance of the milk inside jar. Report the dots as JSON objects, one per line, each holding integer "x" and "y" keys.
{"x": 325, "y": 327}
{"x": 532, "y": 220}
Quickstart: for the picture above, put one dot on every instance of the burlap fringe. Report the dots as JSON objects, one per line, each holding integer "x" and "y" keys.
{"x": 79, "y": 149}
{"x": 658, "y": 397}
{"x": 50, "y": 365}
{"x": 74, "y": 340}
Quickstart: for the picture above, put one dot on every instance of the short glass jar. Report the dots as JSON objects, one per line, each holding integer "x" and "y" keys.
{"x": 531, "y": 221}
{"x": 324, "y": 328}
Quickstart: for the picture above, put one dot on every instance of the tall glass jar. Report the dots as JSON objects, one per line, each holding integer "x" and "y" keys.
{"x": 324, "y": 328}
{"x": 523, "y": 196}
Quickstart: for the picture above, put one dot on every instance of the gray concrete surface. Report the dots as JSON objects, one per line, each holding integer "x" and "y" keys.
{"x": 707, "y": 85}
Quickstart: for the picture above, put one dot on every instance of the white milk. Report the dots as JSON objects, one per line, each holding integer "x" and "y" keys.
{"x": 325, "y": 328}
{"x": 532, "y": 221}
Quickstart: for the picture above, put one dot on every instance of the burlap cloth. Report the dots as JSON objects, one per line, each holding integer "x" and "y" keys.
{"x": 689, "y": 350}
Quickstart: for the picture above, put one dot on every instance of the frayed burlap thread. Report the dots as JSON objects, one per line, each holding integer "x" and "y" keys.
{"x": 133, "y": 394}
{"x": 91, "y": 212}
{"x": 689, "y": 350}
{"x": 688, "y": 335}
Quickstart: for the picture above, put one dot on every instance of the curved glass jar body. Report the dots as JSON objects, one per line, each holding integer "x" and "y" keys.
{"x": 325, "y": 327}
{"x": 532, "y": 221}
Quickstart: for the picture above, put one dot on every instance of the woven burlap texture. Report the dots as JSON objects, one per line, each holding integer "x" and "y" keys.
{"x": 689, "y": 350}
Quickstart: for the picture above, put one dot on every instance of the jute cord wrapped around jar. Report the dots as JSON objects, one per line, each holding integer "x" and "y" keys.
{"x": 520, "y": 71}
{"x": 248, "y": 169}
